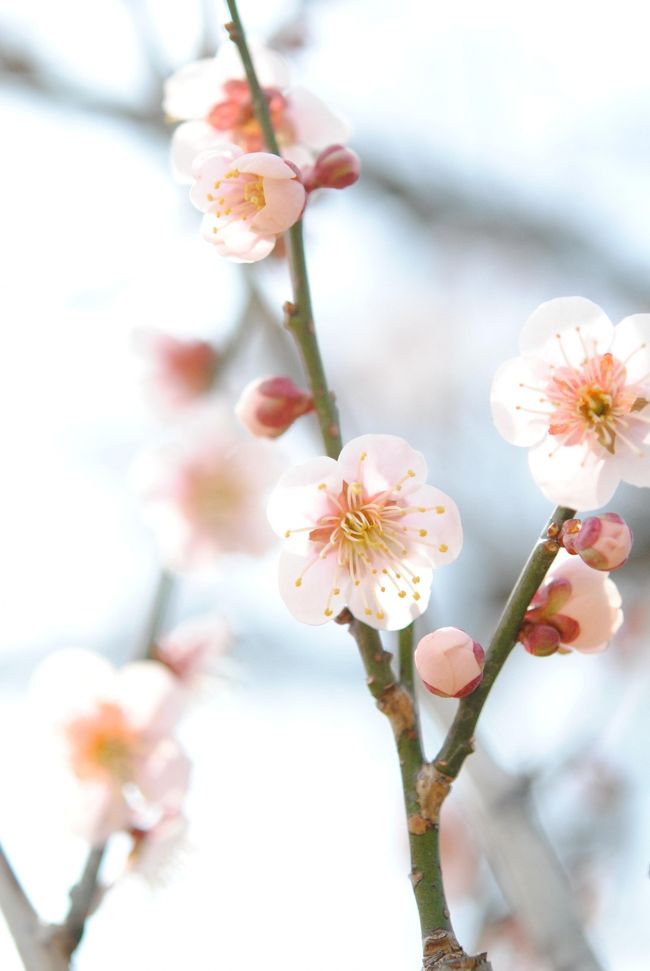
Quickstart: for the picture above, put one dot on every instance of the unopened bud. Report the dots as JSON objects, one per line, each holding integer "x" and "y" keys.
{"x": 267, "y": 407}
{"x": 603, "y": 542}
{"x": 449, "y": 662}
{"x": 336, "y": 167}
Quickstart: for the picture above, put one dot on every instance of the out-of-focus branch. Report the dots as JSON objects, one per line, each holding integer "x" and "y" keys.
{"x": 36, "y": 952}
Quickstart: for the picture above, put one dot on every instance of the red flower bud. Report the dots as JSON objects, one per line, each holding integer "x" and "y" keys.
{"x": 267, "y": 407}
{"x": 603, "y": 542}
{"x": 335, "y": 168}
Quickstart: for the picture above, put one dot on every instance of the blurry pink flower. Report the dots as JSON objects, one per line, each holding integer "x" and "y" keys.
{"x": 112, "y": 730}
{"x": 603, "y": 542}
{"x": 449, "y": 662}
{"x": 576, "y": 608}
{"x": 248, "y": 200}
{"x": 579, "y": 394}
{"x": 336, "y": 167}
{"x": 205, "y": 491}
{"x": 157, "y": 851}
{"x": 179, "y": 370}
{"x": 193, "y": 648}
{"x": 267, "y": 407}
{"x": 212, "y": 97}
{"x": 364, "y": 532}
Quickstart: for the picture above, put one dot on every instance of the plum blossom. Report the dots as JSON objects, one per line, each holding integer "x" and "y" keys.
{"x": 212, "y": 98}
{"x": 364, "y": 532}
{"x": 576, "y": 608}
{"x": 204, "y": 491}
{"x": 193, "y": 648}
{"x": 110, "y": 731}
{"x": 267, "y": 407}
{"x": 449, "y": 662}
{"x": 179, "y": 371}
{"x": 579, "y": 395}
{"x": 248, "y": 200}
{"x": 602, "y": 542}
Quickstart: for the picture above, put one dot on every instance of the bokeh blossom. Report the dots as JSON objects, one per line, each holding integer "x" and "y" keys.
{"x": 110, "y": 732}
{"x": 248, "y": 200}
{"x": 178, "y": 371}
{"x": 449, "y": 662}
{"x": 267, "y": 407}
{"x": 193, "y": 649}
{"x": 580, "y": 396}
{"x": 205, "y": 490}
{"x": 212, "y": 98}
{"x": 576, "y": 608}
{"x": 364, "y": 532}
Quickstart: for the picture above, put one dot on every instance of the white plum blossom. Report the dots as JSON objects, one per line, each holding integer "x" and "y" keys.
{"x": 365, "y": 532}
{"x": 110, "y": 742}
{"x": 248, "y": 200}
{"x": 212, "y": 98}
{"x": 579, "y": 396}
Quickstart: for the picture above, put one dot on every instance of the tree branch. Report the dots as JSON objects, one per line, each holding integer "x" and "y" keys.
{"x": 24, "y": 924}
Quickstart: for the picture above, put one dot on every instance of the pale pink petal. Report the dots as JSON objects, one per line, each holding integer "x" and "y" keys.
{"x": 632, "y": 346}
{"x": 562, "y": 316}
{"x": 633, "y": 466}
{"x": 573, "y": 476}
{"x": 95, "y": 811}
{"x": 315, "y": 124}
{"x": 188, "y": 141}
{"x": 271, "y": 69}
{"x": 148, "y": 694}
{"x": 266, "y": 164}
{"x": 436, "y": 534}
{"x": 599, "y": 617}
{"x": 208, "y": 168}
{"x": 284, "y": 204}
{"x": 517, "y": 411}
{"x": 162, "y": 776}
{"x": 71, "y": 681}
{"x": 388, "y": 464}
{"x": 389, "y": 603}
{"x": 235, "y": 241}
{"x": 297, "y": 502}
{"x": 193, "y": 90}
{"x": 307, "y": 587}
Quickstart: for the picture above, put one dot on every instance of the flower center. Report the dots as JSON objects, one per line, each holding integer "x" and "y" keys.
{"x": 102, "y": 743}
{"x": 254, "y": 194}
{"x": 235, "y": 115}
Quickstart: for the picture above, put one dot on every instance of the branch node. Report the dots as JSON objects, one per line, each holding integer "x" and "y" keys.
{"x": 432, "y": 789}
{"x": 442, "y": 952}
{"x": 397, "y": 705}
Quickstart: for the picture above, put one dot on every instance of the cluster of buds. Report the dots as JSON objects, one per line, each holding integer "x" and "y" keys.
{"x": 267, "y": 407}
{"x": 602, "y": 542}
{"x": 449, "y": 662}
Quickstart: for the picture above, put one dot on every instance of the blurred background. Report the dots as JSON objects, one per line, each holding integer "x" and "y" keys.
{"x": 505, "y": 153}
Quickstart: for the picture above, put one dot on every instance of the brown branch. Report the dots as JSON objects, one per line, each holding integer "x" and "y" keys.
{"x": 29, "y": 935}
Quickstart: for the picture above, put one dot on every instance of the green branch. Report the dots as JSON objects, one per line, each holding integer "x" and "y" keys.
{"x": 459, "y": 741}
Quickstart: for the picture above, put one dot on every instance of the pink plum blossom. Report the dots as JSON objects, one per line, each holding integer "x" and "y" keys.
{"x": 248, "y": 201}
{"x": 337, "y": 167}
{"x": 193, "y": 648}
{"x": 603, "y": 542}
{"x": 179, "y": 371}
{"x": 157, "y": 851}
{"x": 364, "y": 532}
{"x": 204, "y": 491}
{"x": 579, "y": 396}
{"x": 576, "y": 608}
{"x": 111, "y": 733}
{"x": 212, "y": 98}
{"x": 267, "y": 407}
{"x": 449, "y": 662}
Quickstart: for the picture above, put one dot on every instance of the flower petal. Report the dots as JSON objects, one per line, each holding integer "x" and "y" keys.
{"x": 315, "y": 124}
{"x": 285, "y": 201}
{"x": 563, "y": 316}
{"x": 388, "y": 603}
{"x": 188, "y": 141}
{"x": 388, "y": 462}
{"x": 209, "y": 168}
{"x": 162, "y": 775}
{"x": 298, "y": 501}
{"x": 266, "y": 164}
{"x": 515, "y": 401}
{"x": 235, "y": 241}
{"x": 190, "y": 92}
{"x": 573, "y": 476}
{"x": 307, "y": 585}
{"x": 148, "y": 693}
{"x": 632, "y": 346}
{"x": 436, "y": 534}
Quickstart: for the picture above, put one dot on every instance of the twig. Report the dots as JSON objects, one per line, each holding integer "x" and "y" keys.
{"x": 459, "y": 741}
{"x": 24, "y": 924}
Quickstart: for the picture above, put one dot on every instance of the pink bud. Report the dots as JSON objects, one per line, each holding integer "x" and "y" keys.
{"x": 267, "y": 407}
{"x": 449, "y": 662}
{"x": 603, "y": 542}
{"x": 336, "y": 167}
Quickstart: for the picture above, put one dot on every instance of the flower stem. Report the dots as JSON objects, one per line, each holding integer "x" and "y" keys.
{"x": 459, "y": 741}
